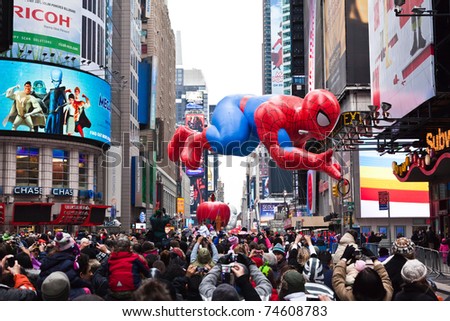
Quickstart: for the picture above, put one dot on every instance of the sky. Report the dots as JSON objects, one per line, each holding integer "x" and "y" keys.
{"x": 223, "y": 38}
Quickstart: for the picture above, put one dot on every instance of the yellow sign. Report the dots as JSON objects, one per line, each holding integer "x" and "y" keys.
{"x": 439, "y": 141}
{"x": 180, "y": 205}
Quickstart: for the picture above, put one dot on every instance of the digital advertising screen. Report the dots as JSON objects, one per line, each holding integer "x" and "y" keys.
{"x": 405, "y": 199}
{"x": 45, "y": 99}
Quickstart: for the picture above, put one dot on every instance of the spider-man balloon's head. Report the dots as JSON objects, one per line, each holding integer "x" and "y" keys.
{"x": 319, "y": 113}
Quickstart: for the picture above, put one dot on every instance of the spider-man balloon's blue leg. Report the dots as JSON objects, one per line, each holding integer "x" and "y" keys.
{"x": 232, "y": 130}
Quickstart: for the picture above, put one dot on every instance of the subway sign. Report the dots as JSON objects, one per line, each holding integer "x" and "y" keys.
{"x": 438, "y": 141}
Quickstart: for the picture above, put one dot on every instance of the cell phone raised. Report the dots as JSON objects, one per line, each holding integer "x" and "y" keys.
{"x": 11, "y": 261}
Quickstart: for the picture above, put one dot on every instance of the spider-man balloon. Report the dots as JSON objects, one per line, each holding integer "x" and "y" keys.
{"x": 284, "y": 124}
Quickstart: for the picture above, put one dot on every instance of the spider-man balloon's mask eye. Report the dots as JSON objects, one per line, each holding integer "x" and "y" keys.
{"x": 322, "y": 119}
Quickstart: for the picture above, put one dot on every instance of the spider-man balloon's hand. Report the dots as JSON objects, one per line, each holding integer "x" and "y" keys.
{"x": 187, "y": 145}
{"x": 178, "y": 141}
{"x": 332, "y": 169}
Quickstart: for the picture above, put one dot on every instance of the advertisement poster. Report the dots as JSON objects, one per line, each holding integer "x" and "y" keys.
{"x": 276, "y": 36}
{"x": 195, "y": 121}
{"x": 50, "y": 27}
{"x": 53, "y": 100}
{"x": 267, "y": 211}
{"x": 198, "y": 192}
{"x": 401, "y": 56}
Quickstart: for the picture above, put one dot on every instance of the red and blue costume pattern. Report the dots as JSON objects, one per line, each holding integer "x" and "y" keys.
{"x": 284, "y": 124}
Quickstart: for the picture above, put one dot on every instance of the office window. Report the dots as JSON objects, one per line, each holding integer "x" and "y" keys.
{"x": 384, "y": 231}
{"x": 60, "y": 177}
{"x": 27, "y": 166}
{"x": 399, "y": 231}
{"x": 83, "y": 171}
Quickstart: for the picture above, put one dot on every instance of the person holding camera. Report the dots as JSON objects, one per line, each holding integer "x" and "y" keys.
{"x": 371, "y": 284}
{"x": 201, "y": 255}
{"x": 240, "y": 272}
{"x": 22, "y": 289}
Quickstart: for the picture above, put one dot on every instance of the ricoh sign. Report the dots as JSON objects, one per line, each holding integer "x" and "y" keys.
{"x": 50, "y": 27}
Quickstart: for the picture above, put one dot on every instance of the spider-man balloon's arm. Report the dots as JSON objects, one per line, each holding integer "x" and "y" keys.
{"x": 274, "y": 124}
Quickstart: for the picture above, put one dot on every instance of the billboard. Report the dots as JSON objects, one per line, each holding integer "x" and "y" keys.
{"x": 195, "y": 121}
{"x": 401, "y": 56}
{"x": 47, "y": 29}
{"x": 195, "y": 97}
{"x": 198, "y": 192}
{"x": 267, "y": 211}
{"x": 114, "y": 180}
{"x": 406, "y": 199}
{"x": 58, "y": 101}
{"x": 276, "y": 39}
{"x": 312, "y": 45}
{"x": 334, "y": 36}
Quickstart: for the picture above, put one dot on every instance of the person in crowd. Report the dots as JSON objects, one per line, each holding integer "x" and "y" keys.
{"x": 21, "y": 288}
{"x": 244, "y": 271}
{"x": 443, "y": 250}
{"x": 383, "y": 254}
{"x": 374, "y": 238}
{"x": 201, "y": 256}
{"x": 159, "y": 221}
{"x": 403, "y": 249}
{"x": 152, "y": 289}
{"x": 416, "y": 286}
{"x": 292, "y": 286}
{"x": 125, "y": 270}
{"x": 349, "y": 238}
{"x": 56, "y": 287}
{"x": 64, "y": 258}
{"x": 279, "y": 250}
{"x": 371, "y": 284}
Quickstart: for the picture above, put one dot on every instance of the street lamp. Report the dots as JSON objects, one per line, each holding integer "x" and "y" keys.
{"x": 284, "y": 203}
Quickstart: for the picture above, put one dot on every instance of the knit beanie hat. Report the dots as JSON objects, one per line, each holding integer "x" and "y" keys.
{"x": 403, "y": 246}
{"x": 56, "y": 287}
{"x": 313, "y": 270}
{"x": 413, "y": 271}
{"x": 225, "y": 292}
{"x": 63, "y": 241}
{"x": 292, "y": 281}
{"x": 278, "y": 248}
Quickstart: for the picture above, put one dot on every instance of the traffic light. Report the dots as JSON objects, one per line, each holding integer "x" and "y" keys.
{"x": 6, "y": 24}
{"x": 335, "y": 190}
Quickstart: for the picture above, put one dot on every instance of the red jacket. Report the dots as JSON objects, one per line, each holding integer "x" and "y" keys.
{"x": 126, "y": 270}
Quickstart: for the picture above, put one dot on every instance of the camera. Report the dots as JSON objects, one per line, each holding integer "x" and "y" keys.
{"x": 357, "y": 254}
{"x": 202, "y": 269}
{"x": 226, "y": 272}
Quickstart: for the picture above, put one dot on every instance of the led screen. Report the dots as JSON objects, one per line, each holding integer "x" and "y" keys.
{"x": 57, "y": 101}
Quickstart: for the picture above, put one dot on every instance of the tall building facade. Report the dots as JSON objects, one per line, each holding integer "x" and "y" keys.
{"x": 57, "y": 127}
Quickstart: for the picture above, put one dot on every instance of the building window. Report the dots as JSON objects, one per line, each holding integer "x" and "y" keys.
{"x": 365, "y": 230}
{"x": 399, "y": 231}
{"x": 83, "y": 171}
{"x": 27, "y": 166}
{"x": 60, "y": 163}
{"x": 383, "y": 230}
